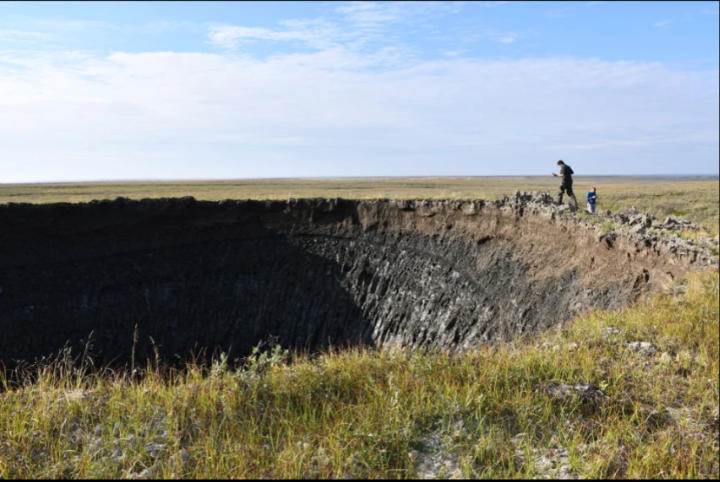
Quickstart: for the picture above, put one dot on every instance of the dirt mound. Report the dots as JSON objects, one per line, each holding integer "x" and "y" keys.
{"x": 312, "y": 272}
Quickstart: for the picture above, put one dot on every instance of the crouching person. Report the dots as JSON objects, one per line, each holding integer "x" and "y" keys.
{"x": 591, "y": 197}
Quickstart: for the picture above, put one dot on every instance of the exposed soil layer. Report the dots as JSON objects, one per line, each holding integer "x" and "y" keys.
{"x": 313, "y": 273}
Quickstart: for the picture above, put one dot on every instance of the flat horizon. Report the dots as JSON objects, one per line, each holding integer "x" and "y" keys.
{"x": 336, "y": 178}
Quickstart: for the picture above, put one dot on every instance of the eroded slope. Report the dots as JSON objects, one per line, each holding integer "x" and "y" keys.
{"x": 193, "y": 274}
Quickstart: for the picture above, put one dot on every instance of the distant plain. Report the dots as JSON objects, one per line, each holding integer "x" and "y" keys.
{"x": 694, "y": 197}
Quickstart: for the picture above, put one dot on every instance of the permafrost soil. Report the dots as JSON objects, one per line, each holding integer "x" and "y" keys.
{"x": 313, "y": 273}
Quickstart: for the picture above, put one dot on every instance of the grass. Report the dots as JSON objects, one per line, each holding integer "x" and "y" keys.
{"x": 392, "y": 413}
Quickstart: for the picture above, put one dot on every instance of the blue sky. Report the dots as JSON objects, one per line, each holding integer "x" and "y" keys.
{"x": 92, "y": 91}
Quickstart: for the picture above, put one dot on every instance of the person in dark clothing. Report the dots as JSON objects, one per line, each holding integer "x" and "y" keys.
{"x": 566, "y": 173}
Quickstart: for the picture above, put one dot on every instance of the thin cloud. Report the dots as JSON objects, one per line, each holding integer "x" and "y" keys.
{"x": 230, "y": 36}
{"x": 508, "y": 39}
{"x": 55, "y": 32}
{"x": 24, "y": 36}
{"x": 373, "y": 14}
{"x": 559, "y": 13}
{"x": 352, "y": 25}
{"x": 316, "y": 34}
{"x": 663, "y": 23}
{"x": 75, "y": 25}
{"x": 370, "y": 12}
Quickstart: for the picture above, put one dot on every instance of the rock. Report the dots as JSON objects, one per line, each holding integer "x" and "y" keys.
{"x": 635, "y": 220}
{"x": 144, "y": 474}
{"x": 644, "y": 347}
{"x": 436, "y": 459}
{"x": 587, "y": 392}
{"x": 606, "y": 333}
{"x": 184, "y": 456}
{"x": 95, "y": 445}
{"x": 638, "y": 229}
{"x": 669, "y": 221}
{"x": 131, "y": 442}
{"x": 555, "y": 464}
{"x": 155, "y": 450}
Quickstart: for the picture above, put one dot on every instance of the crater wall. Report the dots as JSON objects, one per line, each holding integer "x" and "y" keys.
{"x": 313, "y": 273}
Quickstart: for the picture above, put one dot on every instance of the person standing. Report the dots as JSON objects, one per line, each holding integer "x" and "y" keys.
{"x": 591, "y": 197}
{"x": 566, "y": 173}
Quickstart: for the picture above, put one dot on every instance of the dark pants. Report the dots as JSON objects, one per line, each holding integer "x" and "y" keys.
{"x": 566, "y": 188}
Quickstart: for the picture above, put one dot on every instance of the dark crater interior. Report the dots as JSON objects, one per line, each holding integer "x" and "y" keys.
{"x": 312, "y": 273}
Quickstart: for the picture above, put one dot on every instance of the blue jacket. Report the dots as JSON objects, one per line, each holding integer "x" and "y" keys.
{"x": 591, "y": 197}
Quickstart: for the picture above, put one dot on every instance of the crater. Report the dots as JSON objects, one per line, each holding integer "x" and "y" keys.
{"x": 311, "y": 273}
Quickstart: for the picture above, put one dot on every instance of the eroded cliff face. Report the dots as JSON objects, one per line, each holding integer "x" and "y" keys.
{"x": 313, "y": 273}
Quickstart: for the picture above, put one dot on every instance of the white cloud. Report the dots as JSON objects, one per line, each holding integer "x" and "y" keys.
{"x": 230, "y": 36}
{"x": 172, "y": 115}
{"x": 24, "y": 36}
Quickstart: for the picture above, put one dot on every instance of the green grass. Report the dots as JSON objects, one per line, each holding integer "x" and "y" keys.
{"x": 383, "y": 413}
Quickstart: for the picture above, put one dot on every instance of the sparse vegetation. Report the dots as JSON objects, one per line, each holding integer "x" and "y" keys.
{"x": 584, "y": 401}
{"x": 607, "y": 226}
